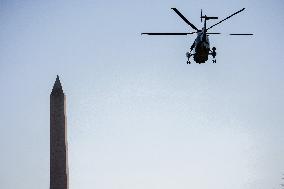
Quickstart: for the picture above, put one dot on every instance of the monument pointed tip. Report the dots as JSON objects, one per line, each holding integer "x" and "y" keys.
{"x": 57, "y": 87}
{"x": 57, "y": 81}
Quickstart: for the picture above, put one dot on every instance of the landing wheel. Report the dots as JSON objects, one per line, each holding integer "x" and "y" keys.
{"x": 214, "y": 52}
{"x": 188, "y": 55}
{"x": 214, "y": 61}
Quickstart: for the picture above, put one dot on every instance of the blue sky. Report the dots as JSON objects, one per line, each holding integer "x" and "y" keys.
{"x": 138, "y": 116}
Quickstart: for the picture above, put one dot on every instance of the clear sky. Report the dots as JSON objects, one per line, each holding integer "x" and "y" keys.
{"x": 138, "y": 116}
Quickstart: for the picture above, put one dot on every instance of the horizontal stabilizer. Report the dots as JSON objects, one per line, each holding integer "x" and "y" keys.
{"x": 209, "y": 17}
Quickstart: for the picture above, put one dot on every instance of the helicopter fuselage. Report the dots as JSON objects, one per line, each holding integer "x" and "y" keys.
{"x": 201, "y": 47}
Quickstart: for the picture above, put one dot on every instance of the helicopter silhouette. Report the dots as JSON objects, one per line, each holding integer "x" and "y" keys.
{"x": 201, "y": 45}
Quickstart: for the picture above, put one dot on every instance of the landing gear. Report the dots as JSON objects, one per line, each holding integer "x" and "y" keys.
{"x": 202, "y": 56}
{"x": 213, "y": 53}
{"x": 188, "y": 55}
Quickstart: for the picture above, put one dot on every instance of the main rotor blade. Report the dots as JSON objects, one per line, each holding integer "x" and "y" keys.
{"x": 167, "y": 33}
{"x": 212, "y": 33}
{"x": 241, "y": 34}
{"x": 226, "y": 18}
{"x": 184, "y": 19}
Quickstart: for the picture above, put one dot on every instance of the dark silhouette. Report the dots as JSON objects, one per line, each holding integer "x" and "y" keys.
{"x": 201, "y": 44}
{"x": 58, "y": 139}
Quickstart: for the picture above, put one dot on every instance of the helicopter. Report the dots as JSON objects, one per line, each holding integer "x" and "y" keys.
{"x": 201, "y": 45}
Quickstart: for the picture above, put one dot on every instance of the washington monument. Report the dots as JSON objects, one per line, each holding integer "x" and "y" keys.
{"x": 58, "y": 139}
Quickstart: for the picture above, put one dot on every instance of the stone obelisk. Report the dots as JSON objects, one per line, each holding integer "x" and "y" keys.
{"x": 58, "y": 139}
